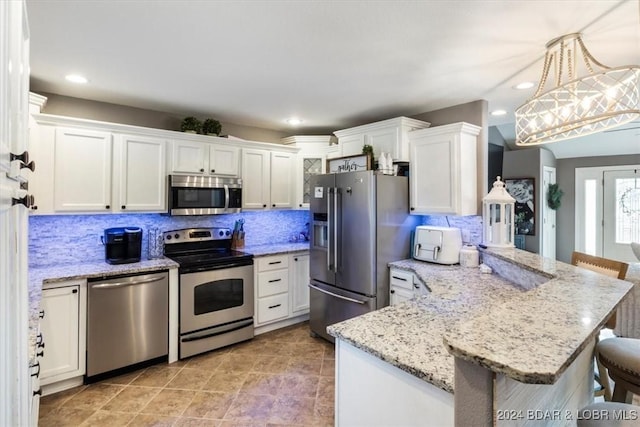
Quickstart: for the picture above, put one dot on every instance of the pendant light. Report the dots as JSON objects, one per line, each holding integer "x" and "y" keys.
{"x": 587, "y": 96}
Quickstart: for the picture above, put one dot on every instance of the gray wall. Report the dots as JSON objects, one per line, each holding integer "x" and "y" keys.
{"x": 566, "y": 180}
{"x": 106, "y": 112}
{"x": 529, "y": 163}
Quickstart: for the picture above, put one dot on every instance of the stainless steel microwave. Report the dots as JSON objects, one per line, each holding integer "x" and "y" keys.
{"x": 204, "y": 195}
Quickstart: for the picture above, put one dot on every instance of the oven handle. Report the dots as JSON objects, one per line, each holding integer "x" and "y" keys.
{"x": 221, "y": 330}
{"x": 336, "y": 295}
{"x": 121, "y": 284}
{"x": 226, "y": 196}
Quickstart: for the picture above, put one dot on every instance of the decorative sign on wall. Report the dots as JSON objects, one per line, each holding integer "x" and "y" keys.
{"x": 361, "y": 162}
{"x": 523, "y": 190}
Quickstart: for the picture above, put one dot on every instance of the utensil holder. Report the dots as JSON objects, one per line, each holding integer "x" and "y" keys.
{"x": 237, "y": 240}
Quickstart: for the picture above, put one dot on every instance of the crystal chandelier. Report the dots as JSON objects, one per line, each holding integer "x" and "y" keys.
{"x": 597, "y": 100}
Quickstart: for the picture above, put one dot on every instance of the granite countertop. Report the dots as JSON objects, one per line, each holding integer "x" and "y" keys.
{"x": 552, "y": 312}
{"x": 39, "y": 276}
{"x": 276, "y": 248}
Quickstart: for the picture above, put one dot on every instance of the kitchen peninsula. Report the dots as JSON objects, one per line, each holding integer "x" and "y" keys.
{"x": 480, "y": 349}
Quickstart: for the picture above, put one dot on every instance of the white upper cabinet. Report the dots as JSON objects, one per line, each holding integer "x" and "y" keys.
{"x": 82, "y": 170}
{"x": 256, "y": 174}
{"x": 140, "y": 170}
{"x": 188, "y": 157}
{"x": 389, "y": 136}
{"x": 311, "y": 160}
{"x": 203, "y": 158}
{"x": 444, "y": 170}
{"x": 224, "y": 160}
{"x": 267, "y": 179}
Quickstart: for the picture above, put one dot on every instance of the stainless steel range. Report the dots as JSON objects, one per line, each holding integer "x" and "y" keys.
{"x": 216, "y": 289}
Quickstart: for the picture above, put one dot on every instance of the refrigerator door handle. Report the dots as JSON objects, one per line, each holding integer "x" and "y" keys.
{"x": 330, "y": 222}
{"x": 337, "y": 222}
{"x": 336, "y": 295}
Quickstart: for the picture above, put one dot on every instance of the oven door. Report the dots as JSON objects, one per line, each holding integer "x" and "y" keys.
{"x": 215, "y": 297}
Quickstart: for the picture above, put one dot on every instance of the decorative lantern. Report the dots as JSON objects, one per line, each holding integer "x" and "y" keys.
{"x": 498, "y": 217}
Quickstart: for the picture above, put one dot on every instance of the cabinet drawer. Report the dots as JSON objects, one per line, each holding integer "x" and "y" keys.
{"x": 273, "y": 308}
{"x": 273, "y": 282}
{"x": 269, "y": 263}
{"x": 401, "y": 279}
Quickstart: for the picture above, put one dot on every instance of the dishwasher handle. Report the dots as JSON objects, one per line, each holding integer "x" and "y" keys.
{"x": 122, "y": 284}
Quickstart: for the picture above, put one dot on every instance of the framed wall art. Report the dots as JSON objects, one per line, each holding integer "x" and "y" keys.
{"x": 523, "y": 190}
{"x": 361, "y": 162}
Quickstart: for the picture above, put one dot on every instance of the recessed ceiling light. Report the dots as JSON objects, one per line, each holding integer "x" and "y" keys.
{"x": 524, "y": 85}
{"x": 498, "y": 113}
{"x": 76, "y": 78}
{"x": 294, "y": 121}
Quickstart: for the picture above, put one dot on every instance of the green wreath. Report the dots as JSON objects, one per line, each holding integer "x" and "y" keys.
{"x": 554, "y": 195}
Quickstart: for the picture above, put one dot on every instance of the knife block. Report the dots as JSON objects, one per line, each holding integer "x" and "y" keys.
{"x": 237, "y": 240}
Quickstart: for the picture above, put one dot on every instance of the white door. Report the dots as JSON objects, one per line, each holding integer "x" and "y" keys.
{"x": 282, "y": 180}
{"x": 256, "y": 177}
{"x": 548, "y": 215}
{"x": 621, "y": 213}
{"x": 15, "y": 395}
{"x": 143, "y": 180}
{"x": 188, "y": 157}
{"x": 61, "y": 330}
{"x": 82, "y": 170}
{"x": 224, "y": 160}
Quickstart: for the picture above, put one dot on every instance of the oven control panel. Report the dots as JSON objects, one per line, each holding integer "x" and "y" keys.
{"x": 196, "y": 235}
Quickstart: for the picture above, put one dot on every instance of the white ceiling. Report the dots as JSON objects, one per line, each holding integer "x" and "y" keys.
{"x": 335, "y": 64}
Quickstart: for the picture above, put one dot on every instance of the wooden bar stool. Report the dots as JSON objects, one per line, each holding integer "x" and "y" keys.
{"x": 621, "y": 357}
{"x": 611, "y": 268}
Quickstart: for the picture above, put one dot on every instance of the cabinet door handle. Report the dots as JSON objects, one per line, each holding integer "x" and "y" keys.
{"x": 41, "y": 314}
{"x": 392, "y": 291}
{"x": 202, "y": 170}
{"x": 274, "y": 306}
{"x": 27, "y": 201}
{"x": 213, "y": 171}
{"x": 295, "y": 259}
{"x": 39, "y": 339}
{"x": 300, "y": 204}
{"x": 274, "y": 262}
{"x": 40, "y": 353}
{"x": 413, "y": 209}
{"x": 123, "y": 207}
{"x": 38, "y": 392}
{"x": 399, "y": 278}
{"x": 108, "y": 207}
{"x": 415, "y": 285}
{"x": 74, "y": 291}
{"x": 24, "y": 157}
{"x": 274, "y": 280}
{"x": 264, "y": 206}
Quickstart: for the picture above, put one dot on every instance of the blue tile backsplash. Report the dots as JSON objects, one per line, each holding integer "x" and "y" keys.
{"x": 63, "y": 239}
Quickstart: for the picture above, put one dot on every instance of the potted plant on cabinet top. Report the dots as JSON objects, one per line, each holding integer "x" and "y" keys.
{"x": 211, "y": 127}
{"x": 191, "y": 125}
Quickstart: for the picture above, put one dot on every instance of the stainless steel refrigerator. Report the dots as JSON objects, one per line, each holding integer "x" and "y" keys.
{"x": 361, "y": 222}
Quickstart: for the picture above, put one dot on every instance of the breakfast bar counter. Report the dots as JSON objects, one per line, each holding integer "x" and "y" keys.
{"x": 532, "y": 321}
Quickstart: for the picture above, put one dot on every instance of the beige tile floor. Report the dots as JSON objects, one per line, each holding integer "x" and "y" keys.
{"x": 283, "y": 377}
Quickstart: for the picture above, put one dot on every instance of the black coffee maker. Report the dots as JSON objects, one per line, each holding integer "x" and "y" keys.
{"x": 122, "y": 245}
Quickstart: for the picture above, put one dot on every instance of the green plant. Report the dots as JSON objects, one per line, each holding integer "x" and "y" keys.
{"x": 367, "y": 149}
{"x": 191, "y": 124}
{"x": 211, "y": 127}
{"x": 554, "y": 195}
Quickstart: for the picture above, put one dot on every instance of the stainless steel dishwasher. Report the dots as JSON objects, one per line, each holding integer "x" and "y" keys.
{"x": 127, "y": 321}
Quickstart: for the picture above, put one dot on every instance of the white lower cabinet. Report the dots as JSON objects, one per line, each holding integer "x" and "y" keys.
{"x": 64, "y": 329}
{"x": 403, "y": 286}
{"x": 299, "y": 280}
{"x": 281, "y": 287}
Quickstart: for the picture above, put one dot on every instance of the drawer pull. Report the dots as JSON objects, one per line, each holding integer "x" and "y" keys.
{"x": 399, "y": 278}
{"x": 274, "y": 306}
{"x": 275, "y": 262}
{"x": 37, "y": 372}
{"x": 38, "y": 392}
{"x": 274, "y": 280}
{"x": 40, "y": 340}
{"x": 40, "y": 353}
{"x": 41, "y": 314}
